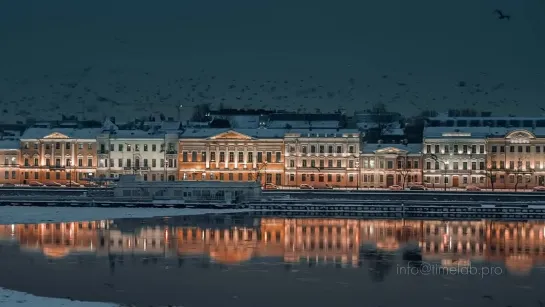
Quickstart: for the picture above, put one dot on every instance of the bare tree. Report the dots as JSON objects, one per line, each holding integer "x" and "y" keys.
{"x": 381, "y": 118}
{"x": 200, "y": 112}
{"x": 491, "y": 175}
{"x": 403, "y": 170}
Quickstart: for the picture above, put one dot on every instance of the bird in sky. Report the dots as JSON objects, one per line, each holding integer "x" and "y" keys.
{"x": 501, "y": 15}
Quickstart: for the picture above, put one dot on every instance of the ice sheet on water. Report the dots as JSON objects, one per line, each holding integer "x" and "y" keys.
{"x": 19, "y": 215}
{"x": 10, "y": 298}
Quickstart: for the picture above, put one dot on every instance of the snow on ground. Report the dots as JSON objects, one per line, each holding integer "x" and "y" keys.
{"x": 18, "y": 215}
{"x": 10, "y": 298}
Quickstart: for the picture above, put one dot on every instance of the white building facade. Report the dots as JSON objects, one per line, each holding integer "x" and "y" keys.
{"x": 153, "y": 155}
{"x": 322, "y": 156}
{"x": 455, "y": 156}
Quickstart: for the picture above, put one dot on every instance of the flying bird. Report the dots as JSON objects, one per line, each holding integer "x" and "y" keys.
{"x": 501, "y": 15}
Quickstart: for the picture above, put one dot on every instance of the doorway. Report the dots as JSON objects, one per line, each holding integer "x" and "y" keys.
{"x": 455, "y": 181}
{"x": 389, "y": 180}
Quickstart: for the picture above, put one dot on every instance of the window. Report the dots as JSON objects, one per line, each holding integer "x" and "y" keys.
{"x": 464, "y": 166}
{"x": 455, "y": 165}
{"x": 512, "y": 164}
{"x": 322, "y": 149}
{"x": 312, "y": 149}
{"x": 146, "y": 163}
{"x": 481, "y": 149}
{"x": 390, "y": 164}
{"x": 329, "y": 177}
{"x": 278, "y": 157}
{"x": 136, "y": 147}
{"x": 269, "y": 157}
{"x": 312, "y": 163}
{"x": 203, "y": 156}
{"x": 330, "y": 163}
{"x": 437, "y": 149}
{"x": 502, "y": 148}
{"x": 58, "y": 176}
{"x": 415, "y": 164}
{"x": 428, "y": 165}
{"x": 481, "y": 165}
{"x": 474, "y": 165}
{"x": 292, "y": 177}
{"x": 129, "y": 147}
{"x": 89, "y": 162}
{"x": 90, "y": 146}
{"x": 129, "y": 163}
{"x": 184, "y": 156}
{"x": 338, "y": 178}
{"x": 519, "y": 148}
{"x": 120, "y": 147}
{"x": 153, "y": 148}
{"x": 292, "y": 163}
{"x": 292, "y": 149}
{"x": 464, "y": 149}
{"x": 538, "y": 148}
{"x": 428, "y": 148}
{"x": 48, "y": 175}
{"x": 502, "y": 164}
{"x": 230, "y": 175}
{"x": 321, "y": 164}
{"x": 259, "y": 157}
{"x": 239, "y": 176}
{"x": 162, "y": 164}
{"x": 145, "y": 147}
{"x": 153, "y": 163}
{"x": 194, "y": 156}
{"x": 474, "y": 149}
{"x": 278, "y": 179}
{"x": 446, "y": 148}
{"x": 57, "y": 162}
{"x": 222, "y": 156}
{"x": 240, "y": 157}
{"x": 231, "y": 157}
{"x": 66, "y": 145}
{"x": 250, "y": 157}
{"x": 339, "y": 149}
{"x": 494, "y": 166}
{"x": 494, "y": 148}
{"x": 455, "y": 149}
{"x": 339, "y": 163}
{"x": 213, "y": 156}
{"x": 304, "y": 149}
{"x": 351, "y": 163}
{"x": 351, "y": 149}
{"x": 330, "y": 149}
{"x": 528, "y": 165}
{"x": 304, "y": 163}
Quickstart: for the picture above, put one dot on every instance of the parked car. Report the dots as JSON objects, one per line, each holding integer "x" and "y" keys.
{"x": 74, "y": 184}
{"x": 270, "y": 186}
{"x": 8, "y": 185}
{"x": 35, "y": 184}
{"x": 306, "y": 187}
{"x": 323, "y": 186}
{"x": 52, "y": 184}
{"x": 473, "y": 188}
{"x": 539, "y": 189}
{"x": 395, "y": 187}
{"x": 417, "y": 188}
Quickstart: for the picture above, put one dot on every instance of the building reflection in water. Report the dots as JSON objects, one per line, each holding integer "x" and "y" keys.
{"x": 231, "y": 240}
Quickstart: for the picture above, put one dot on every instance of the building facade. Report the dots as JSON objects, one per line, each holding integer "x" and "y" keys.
{"x": 58, "y": 155}
{"x": 232, "y": 155}
{"x": 320, "y": 157}
{"x": 9, "y": 159}
{"x": 150, "y": 154}
{"x": 384, "y": 165}
{"x": 455, "y": 157}
{"x": 516, "y": 158}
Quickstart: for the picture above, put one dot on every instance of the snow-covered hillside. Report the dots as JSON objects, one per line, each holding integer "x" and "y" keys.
{"x": 128, "y": 58}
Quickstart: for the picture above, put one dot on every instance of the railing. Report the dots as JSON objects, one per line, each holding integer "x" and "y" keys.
{"x": 171, "y": 152}
{"x": 103, "y": 152}
{"x": 56, "y": 167}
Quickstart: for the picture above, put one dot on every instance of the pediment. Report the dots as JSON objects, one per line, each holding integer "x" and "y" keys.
{"x": 390, "y": 150}
{"x": 520, "y": 134}
{"x": 230, "y": 135}
{"x": 56, "y": 135}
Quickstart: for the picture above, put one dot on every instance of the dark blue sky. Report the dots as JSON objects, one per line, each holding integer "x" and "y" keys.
{"x": 409, "y": 54}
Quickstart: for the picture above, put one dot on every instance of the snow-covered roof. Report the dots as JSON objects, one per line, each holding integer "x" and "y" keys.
{"x": 254, "y": 133}
{"x": 9, "y": 144}
{"x": 137, "y": 134}
{"x": 502, "y": 132}
{"x": 456, "y": 132}
{"x": 320, "y": 133}
{"x": 60, "y": 133}
{"x": 410, "y": 148}
{"x": 296, "y": 124}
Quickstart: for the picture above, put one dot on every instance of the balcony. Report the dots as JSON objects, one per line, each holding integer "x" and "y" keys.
{"x": 171, "y": 152}
{"x": 144, "y": 168}
{"x": 103, "y": 152}
{"x": 56, "y": 168}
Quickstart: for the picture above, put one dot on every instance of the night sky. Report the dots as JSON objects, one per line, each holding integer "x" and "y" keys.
{"x": 128, "y": 58}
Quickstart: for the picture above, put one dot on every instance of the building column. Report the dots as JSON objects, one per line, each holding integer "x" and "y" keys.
{"x": 207, "y": 165}
{"x": 236, "y": 156}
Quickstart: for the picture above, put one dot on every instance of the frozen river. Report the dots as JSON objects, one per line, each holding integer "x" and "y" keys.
{"x": 244, "y": 260}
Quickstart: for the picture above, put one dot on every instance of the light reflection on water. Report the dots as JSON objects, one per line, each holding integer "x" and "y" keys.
{"x": 239, "y": 239}
{"x": 183, "y": 255}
